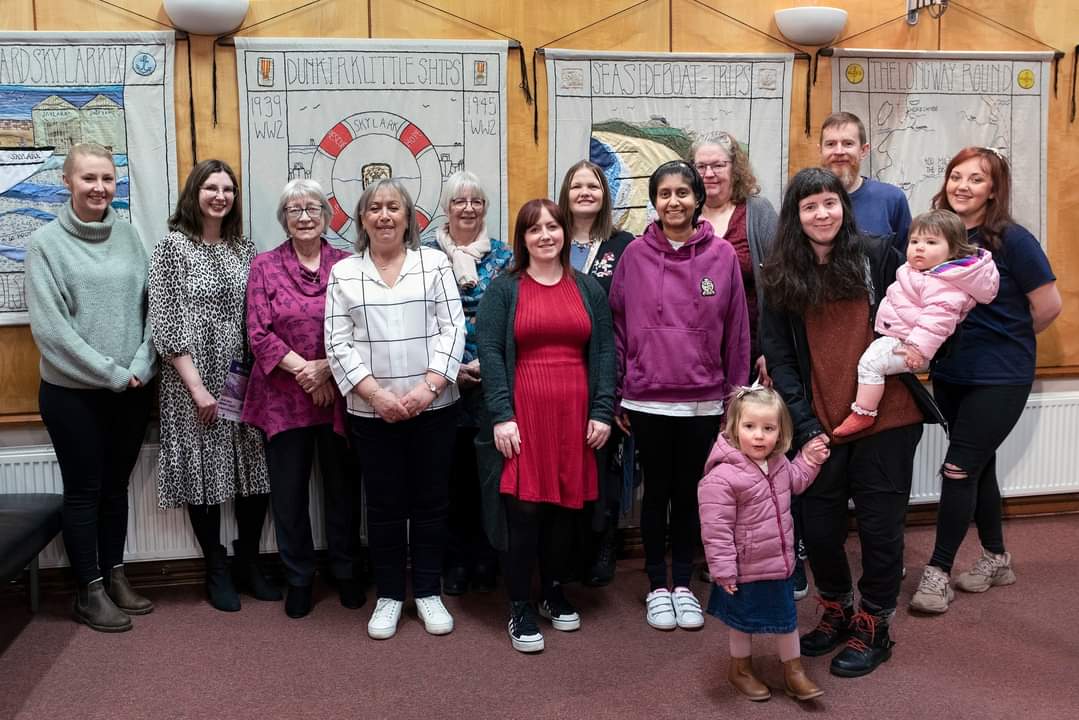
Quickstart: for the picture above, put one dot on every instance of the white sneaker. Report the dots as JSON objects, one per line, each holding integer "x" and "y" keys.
{"x": 436, "y": 618}
{"x": 659, "y": 610}
{"x": 383, "y": 622}
{"x": 687, "y": 609}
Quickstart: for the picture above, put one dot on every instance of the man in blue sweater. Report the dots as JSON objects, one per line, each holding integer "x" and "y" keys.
{"x": 879, "y": 208}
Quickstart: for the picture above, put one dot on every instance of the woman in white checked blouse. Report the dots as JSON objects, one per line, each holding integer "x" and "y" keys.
{"x": 395, "y": 333}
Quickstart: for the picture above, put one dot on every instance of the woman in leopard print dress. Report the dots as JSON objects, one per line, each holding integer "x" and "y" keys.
{"x": 197, "y": 286}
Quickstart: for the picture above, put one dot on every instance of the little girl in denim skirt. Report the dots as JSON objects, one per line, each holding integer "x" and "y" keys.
{"x": 748, "y": 534}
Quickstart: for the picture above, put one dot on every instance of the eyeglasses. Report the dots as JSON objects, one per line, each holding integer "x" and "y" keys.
{"x": 462, "y": 203}
{"x": 313, "y": 212}
{"x": 716, "y": 167}
{"x": 214, "y": 190}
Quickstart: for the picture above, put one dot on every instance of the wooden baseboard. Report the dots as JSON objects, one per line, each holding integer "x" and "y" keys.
{"x": 1014, "y": 508}
{"x": 174, "y": 573}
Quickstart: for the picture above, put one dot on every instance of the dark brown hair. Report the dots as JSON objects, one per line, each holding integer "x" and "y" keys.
{"x": 792, "y": 279}
{"x": 529, "y": 215}
{"x": 998, "y": 209}
{"x": 947, "y": 225}
{"x": 602, "y": 225}
{"x": 188, "y": 215}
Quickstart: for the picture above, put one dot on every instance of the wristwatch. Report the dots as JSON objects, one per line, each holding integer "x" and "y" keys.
{"x": 431, "y": 386}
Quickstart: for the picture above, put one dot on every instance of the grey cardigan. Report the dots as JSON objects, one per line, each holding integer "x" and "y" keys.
{"x": 761, "y": 224}
{"x": 498, "y": 348}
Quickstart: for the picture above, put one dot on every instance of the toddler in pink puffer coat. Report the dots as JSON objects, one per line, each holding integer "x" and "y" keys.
{"x": 745, "y": 508}
{"x": 944, "y": 277}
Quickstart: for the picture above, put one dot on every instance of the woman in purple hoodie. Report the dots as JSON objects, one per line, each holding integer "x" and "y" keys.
{"x": 682, "y": 344}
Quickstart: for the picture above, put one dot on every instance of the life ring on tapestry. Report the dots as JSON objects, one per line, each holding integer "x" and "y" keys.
{"x": 369, "y": 146}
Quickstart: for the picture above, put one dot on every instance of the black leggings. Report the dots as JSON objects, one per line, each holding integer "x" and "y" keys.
{"x": 673, "y": 451}
{"x": 535, "y": 529}
{"x": 468, "y": 546}
{"x": 96, "y": 435}
{"x": 250, "y": 515}
{"x": 290, "y": 455}
{"x": 980, "y": 418}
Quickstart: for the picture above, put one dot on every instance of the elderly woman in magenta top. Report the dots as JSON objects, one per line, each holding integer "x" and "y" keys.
{"x": 291, "y": 395}
{"x": 682, "y": 339}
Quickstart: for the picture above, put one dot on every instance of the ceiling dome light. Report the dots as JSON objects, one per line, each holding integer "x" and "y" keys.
{"x": 207, "y": 17}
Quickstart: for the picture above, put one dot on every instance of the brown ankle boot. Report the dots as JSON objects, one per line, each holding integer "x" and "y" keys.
{"x": 741, "y": 676}
{"x": 124, "y": 596}
{"x": 94, "y": 608}
{"x": 798, "y": 683}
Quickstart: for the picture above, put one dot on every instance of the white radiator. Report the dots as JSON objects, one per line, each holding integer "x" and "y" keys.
{"x": 1040, "y": 457}
{"x": 152, "y": 533}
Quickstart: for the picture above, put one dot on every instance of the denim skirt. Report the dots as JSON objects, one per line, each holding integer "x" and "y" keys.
{"x": 764, "y": 606}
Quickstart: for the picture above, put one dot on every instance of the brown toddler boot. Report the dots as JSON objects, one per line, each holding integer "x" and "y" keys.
{"x": 798, "y": 684}
{"x": 741, "y": 676}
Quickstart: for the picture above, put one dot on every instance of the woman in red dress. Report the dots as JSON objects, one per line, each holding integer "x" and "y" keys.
{"x": 547, "y": 350}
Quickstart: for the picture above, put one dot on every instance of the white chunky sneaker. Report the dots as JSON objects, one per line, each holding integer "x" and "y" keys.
{"x": 687, "y": 609}
{"x": 436, "y": 618}
{"x": 659, "y": 611}
{"x": 383, "y": 622}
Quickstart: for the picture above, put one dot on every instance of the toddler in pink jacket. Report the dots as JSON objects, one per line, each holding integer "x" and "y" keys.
{"x": 748, "y": 535}
{"x": 944, "y": 277}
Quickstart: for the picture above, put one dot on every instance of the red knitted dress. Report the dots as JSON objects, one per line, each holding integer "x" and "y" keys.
{"x": 550, "y": 397}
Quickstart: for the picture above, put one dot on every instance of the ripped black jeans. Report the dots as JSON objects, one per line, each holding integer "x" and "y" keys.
{"x": 980, "y": 418}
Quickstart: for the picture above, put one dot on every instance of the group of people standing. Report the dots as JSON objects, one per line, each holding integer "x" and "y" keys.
{"x": 489, "y": 392}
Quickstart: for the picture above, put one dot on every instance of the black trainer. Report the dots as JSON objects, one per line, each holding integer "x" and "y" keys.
{"x": 560, "y": 611}
{"x": 524, "y": 633}
{"x": 868, "y": 646}
{"x": 833, "y": 628}
{"x": 799, "y": 579}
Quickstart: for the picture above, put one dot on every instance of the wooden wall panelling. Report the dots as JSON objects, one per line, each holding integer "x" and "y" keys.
{"x": 648, "y": 26}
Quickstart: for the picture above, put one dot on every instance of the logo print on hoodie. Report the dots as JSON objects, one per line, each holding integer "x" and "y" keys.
{"x": 708, "y": 288}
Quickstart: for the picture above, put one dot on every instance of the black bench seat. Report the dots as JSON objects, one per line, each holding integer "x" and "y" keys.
{"x": 28, "y": 522}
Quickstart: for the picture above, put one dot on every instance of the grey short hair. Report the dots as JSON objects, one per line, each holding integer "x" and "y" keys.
{"x": 459, "y": 182}
{"x": 303, "y": 188}
{"x": 412, "y": 232}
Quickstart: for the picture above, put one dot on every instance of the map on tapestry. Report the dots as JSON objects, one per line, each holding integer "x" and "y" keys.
{"x": 348, "y": 113}
{"x": 920, "y": 109}
{"x": 55, "y": 92}
{"x": 631, "y": 113}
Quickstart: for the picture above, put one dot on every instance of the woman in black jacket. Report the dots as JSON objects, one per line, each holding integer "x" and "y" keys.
{"x": 595, "y": 247}
{"x": 823, "y": 284}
